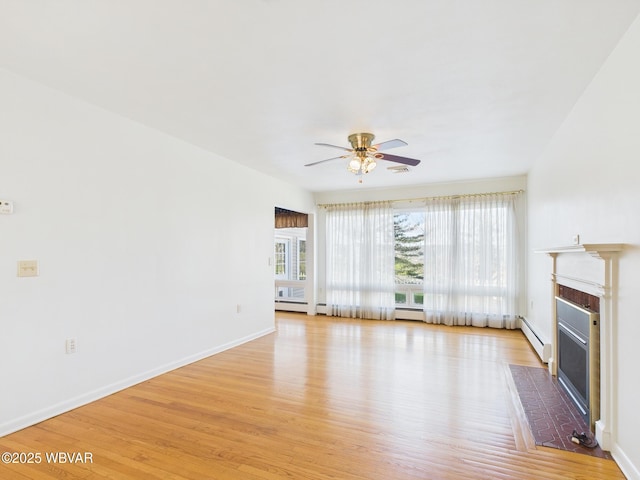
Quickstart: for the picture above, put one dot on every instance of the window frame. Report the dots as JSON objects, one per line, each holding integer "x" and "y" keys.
{"x": 286, "y": 260}
{"x": 410, "y": 290}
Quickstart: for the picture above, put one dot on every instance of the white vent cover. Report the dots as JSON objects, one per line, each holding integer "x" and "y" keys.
{"x": 398, "y": 169}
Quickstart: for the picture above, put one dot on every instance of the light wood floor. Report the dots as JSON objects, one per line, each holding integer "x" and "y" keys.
{"x": 322, "y": 398}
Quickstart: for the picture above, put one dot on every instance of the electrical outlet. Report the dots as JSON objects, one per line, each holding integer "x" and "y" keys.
{"x": 71, "y": 345}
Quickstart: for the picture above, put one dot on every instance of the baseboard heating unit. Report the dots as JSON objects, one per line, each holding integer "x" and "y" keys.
{"x": 542, "y": 348}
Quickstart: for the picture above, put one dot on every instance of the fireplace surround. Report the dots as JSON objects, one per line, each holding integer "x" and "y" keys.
{"x": 592, "y": 269}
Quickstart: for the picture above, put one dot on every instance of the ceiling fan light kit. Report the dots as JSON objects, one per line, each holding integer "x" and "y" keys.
{"x": 363, "y": 156}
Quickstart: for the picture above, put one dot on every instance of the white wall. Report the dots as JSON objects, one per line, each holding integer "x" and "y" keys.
{"x": 587, "y": 183}
{"x": 146, "y": 245}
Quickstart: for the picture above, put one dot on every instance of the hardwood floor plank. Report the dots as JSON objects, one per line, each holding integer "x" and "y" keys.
{"x": 322, "y": 398}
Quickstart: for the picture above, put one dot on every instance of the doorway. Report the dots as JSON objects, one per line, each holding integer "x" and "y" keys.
{"x": 291, "y": 261}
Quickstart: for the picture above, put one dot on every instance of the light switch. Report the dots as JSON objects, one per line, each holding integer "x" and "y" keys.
{"x": 27, "y": 268}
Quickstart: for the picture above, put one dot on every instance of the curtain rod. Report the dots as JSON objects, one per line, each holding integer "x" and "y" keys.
{"x": 415, "y": 199}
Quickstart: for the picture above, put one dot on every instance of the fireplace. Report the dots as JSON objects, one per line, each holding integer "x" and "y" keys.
{"x": 579, "y": 356}
{"x": 591, "y": 269}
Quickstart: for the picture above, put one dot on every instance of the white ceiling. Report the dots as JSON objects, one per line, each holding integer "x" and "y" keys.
{"x": 476, "y": 87}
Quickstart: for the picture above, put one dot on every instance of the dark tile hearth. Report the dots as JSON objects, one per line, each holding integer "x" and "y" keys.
{"x": 551, "y": 414}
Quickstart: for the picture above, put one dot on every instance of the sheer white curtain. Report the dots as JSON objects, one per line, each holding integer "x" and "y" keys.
{"x": 360, "y": 279}
{"x": 471, "y": 261}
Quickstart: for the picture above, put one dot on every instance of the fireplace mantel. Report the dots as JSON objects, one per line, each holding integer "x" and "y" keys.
{"x": 593, "y": 249}
{"x": 603, "y": 282}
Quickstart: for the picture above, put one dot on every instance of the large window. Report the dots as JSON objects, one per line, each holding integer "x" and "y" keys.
{"x": 408, "y": 232}
{"x": 454, "y": 258}
{"x": 360, "y": 261}
{"x": 471, "y": 261}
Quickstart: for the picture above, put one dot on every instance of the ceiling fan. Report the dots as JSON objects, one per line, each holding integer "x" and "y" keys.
{"x": 363, "y": 156}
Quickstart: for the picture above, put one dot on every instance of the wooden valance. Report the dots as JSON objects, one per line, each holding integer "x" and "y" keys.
{"x": 290, "y": 219}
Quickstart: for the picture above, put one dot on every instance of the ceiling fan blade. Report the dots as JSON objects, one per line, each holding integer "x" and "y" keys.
{"x": 390, "y": 144}
{"x": 334, "y": 146}
{"x": 397, "y": 159}
{"x": 322, "y": 161}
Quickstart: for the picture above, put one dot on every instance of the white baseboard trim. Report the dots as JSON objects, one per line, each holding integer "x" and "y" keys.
{"x": 78, "y": 401}
{"x": 541, "y": 346}
{"x": 628, "y": 468}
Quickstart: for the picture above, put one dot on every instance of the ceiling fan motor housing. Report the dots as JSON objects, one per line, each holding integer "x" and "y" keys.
{"x": 361, "y": 142}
